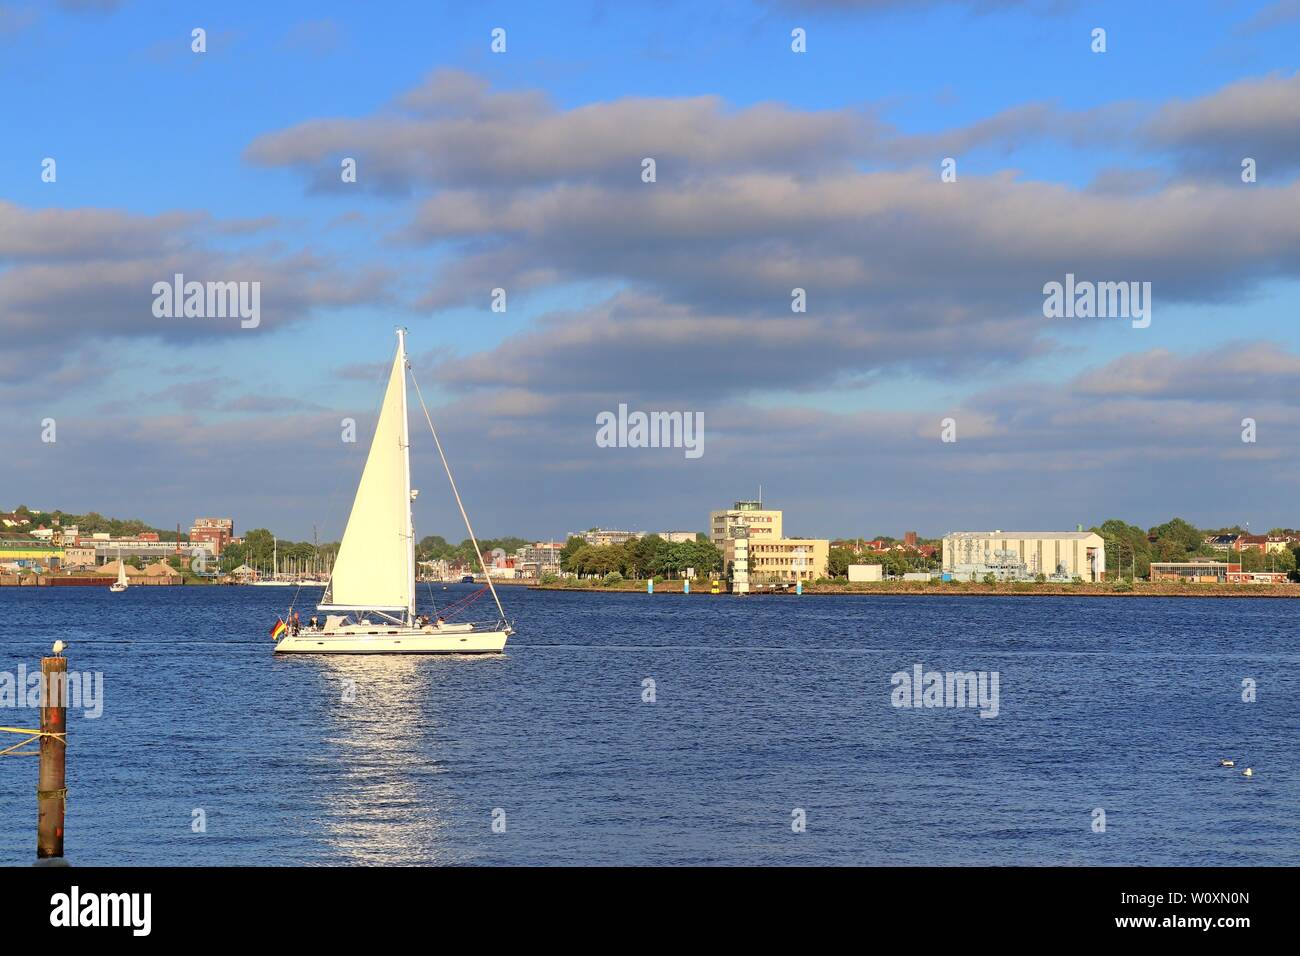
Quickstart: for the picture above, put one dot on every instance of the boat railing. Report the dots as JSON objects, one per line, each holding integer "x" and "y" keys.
{"x": 486, "y": 624}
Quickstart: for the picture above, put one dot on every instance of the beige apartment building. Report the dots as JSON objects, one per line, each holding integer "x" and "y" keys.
{"x": 1020, "y": 555}
{"x": 761, "y": 524}
{"x": 760, "y": 561}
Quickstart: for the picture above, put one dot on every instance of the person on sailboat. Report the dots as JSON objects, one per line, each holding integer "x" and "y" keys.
{"x": 293, "y": 624}
{"x": 314, "y": 624}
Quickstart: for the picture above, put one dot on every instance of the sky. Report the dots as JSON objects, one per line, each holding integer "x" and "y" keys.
{"x": 921, "y": 170}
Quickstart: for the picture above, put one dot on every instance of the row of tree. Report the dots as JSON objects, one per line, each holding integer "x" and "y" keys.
{"x": 648, "y": 556}
{"x": 894, "y": 562}
{"x": 437, "y": 548}
{"x": 1130, "y": 549}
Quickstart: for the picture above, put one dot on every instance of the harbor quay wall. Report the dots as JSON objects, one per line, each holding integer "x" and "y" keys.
{"x": 46, "y": 581}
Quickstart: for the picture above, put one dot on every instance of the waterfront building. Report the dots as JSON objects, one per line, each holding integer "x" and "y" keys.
{"x": 1258, "y": 577}
{"x": 1195, "y": 571}
{"x": 541, "y": 557}
{"x": 1023, "y": 555}
{"x": 866, "y": 572}
{"x": 735, "y": 560}
{"x": 29, "y": 552}
{"x": 760, "y": 524}
{"x": 78, "y": 556}
{"x": 435, "y": 569}
{"x": 677, "y": 537}
{"x": 106, "y": 548}
{"x": 1207, "y": 571}
{"x": 243, "y": 574}
{"x": 756, "y": 560}
{"x": 218, "y": 532}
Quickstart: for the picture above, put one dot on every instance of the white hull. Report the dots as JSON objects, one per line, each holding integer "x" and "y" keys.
{"x": 271, "y": 584}
{"x": 380, "y": 639}
{"x": 117, "y": 588}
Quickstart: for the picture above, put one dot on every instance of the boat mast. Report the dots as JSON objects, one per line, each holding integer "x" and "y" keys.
{"x": 406, "y": 461}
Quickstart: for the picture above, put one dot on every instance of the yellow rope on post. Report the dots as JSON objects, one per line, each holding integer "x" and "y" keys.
{"x": 32, "y": 736}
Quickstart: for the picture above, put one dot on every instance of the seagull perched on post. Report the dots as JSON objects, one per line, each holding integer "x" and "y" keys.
{"x": 58, "y": 648}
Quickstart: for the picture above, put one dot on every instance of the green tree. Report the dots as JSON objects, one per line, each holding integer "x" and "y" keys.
{"x": 259, "y": 547}
{"x": 702, "y": 555}
{"x": 644, "y": 554}
{"x": 571, "y": 547}
{"x": 1180, "y": 533}
{"x": 838, "y": 562}
{"x": 1127, "y": 546}
{"x": 232, "y": 556}
{"x": 434, "y": 547}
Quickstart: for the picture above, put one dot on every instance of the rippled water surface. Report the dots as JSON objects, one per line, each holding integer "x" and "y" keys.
{"x": 764, "y": 705}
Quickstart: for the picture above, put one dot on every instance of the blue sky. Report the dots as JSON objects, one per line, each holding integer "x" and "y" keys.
{"x": 1117, "y": 166}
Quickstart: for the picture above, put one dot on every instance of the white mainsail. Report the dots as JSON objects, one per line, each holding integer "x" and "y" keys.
{"x": 121, "y": 569}
{"x": 375, "y": 567}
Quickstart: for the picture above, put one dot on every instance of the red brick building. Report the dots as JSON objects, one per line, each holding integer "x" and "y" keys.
{"x": 216, "y": 531}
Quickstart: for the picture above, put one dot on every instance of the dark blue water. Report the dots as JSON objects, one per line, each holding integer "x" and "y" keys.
{"x": 764, "y": 705}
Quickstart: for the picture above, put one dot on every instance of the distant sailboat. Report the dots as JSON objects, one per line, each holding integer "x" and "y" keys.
{"x": 274, "y": 580}
{"x": 372, "y": 583}
{"x": 120, "y": 585}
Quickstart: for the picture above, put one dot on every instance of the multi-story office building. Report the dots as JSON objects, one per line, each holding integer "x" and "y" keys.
{"x": 783, "y": 560}
{"x": 761, "y": 524}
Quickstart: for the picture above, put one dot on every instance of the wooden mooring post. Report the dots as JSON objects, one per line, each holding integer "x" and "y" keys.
{"x": 51, "y": 785}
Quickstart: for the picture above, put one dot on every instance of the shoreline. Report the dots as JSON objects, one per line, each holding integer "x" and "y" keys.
{"x": 973, "y": 589}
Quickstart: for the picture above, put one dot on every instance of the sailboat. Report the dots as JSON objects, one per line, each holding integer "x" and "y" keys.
{"x": 274, "y": 580}
{"x": 370, "y": 598}
{"x": 120, "y": 585}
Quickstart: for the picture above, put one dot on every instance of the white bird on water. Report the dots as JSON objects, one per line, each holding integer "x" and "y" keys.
{"x": 1248, "y": 772}
{"x": 58, "y": 648}
{"x": 1226, "y": 763}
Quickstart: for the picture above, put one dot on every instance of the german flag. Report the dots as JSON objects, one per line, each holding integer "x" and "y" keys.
{"x": 278, "y": 628}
